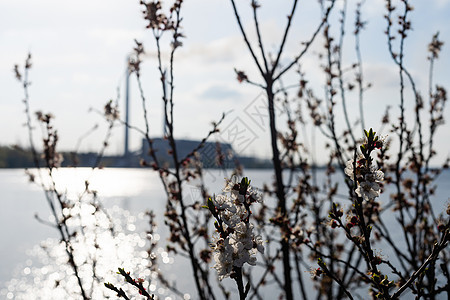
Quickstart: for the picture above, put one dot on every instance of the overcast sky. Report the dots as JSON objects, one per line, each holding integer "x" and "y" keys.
{"x": 79, "y": 51}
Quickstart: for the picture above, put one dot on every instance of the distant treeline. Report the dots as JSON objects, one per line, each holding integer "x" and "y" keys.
{"x": 17, "y": 157}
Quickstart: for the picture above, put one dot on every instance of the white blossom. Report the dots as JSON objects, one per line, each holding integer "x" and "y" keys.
{"x": 374, "y": 175}
{"x": 231, "y": 183}
{"x": 222, "y": 202}
{"x": 368, "y": 181}
{"x": 238, "y": 243}
{"x": 368, "y": 190}
{"x": 223, "y": 256}
{"x": 349, "y": 169}
{"x": 259, "y": 244}
{"x": 255, "y": 194}
{"x": 243, "y": 234}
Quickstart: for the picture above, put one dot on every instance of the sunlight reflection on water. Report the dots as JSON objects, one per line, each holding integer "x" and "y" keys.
{"x": 107, "y": 182}
{"x": 48, "y": 276}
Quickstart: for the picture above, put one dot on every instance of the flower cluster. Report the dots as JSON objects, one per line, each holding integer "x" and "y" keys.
{"x": 367, "y": 177}
{"x": 52, "y": 158}
{"x": 237, "y": 243}
{"x": 111, "y": 111}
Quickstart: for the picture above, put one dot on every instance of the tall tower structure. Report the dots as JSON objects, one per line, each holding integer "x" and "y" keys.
{"x": 126, "y": 152}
